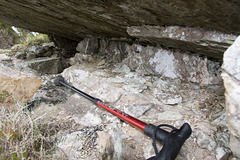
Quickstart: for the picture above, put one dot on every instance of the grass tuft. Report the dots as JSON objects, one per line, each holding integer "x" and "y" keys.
{"x": 35, "y": 39}
{"x": 23, "y": 136}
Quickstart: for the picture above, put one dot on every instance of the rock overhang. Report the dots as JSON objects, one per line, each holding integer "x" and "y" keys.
{"x": 75, "y": 20}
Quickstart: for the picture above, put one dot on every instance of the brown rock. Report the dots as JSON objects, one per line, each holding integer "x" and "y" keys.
{"x": 18, "y": 86}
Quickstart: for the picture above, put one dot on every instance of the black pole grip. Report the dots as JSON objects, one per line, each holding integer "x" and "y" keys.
{"x": 171, "y": 141}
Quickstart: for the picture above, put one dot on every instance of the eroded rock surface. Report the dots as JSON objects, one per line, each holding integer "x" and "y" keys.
{"x": 74, "y": 20}
{"x": 195, "y": 40}
{"x": 16, "y": 86}
{"x": 148, "y": 60}
{"x": 200, "y": 106}
{"x": 231, "y": 76}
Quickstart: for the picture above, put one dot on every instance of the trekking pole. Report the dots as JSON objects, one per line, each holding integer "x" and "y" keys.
{"x": 171, "y": 141}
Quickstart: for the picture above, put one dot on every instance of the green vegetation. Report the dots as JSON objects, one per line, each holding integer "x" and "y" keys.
{"x": 3, "y": 95}
{"x": 23, "y": 36}
{"x": 38, "y": 39}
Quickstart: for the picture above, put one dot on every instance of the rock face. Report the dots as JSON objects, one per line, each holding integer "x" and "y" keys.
{"x": 149, "y": 60}
{"x": 17, "y": 87}
{"x": 75, "y": 20}
{"x": 231, "y": 77}
{"x": 6, "y": 37}
{"x": 46, "y": 65}
{"x": 195, "y": 40}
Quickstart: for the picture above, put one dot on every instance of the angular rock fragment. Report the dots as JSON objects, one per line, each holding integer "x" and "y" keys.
{"x": 46, "y": 65}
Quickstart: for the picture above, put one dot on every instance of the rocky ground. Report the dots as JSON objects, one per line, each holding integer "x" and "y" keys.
{"x": 88, "y": 132}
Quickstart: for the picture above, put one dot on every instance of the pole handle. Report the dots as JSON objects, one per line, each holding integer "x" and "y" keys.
{"x": 172, "y": 141}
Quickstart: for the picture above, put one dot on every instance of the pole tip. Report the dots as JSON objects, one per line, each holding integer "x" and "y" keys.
{"x": 57, "y": 80}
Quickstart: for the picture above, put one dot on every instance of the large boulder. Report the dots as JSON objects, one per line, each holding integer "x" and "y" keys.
{"x": 17, "y": 87}
{"x": 231, "y": 77}
{"x": 46, "y": 65}
{"x": 74, "y": 20}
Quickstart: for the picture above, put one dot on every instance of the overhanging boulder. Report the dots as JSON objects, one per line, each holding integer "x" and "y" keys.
{"x": 75, "y": 20}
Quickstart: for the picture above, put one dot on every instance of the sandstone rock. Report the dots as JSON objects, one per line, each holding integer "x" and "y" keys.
{"x": 231, "y": 77}
{"x": 46, "y": 65}
{"x": 36, "y": 51}
{"x": 20, "y": 86}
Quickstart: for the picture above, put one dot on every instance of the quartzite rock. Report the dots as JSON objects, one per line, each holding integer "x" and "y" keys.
{"x": 231, "y": 77}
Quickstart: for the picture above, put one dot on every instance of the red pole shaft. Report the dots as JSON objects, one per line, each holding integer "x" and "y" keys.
{"x": 125, "y": 117}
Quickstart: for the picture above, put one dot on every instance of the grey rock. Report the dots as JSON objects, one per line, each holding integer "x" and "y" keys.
{"x": 137, "y": 110}
{"x": 43, "y": 50}
{"x": 121, "y": 69}
{"x": 104, "y": 146}
{"x": 30, "y": 56}
{"x": 231, "y": 77}
{"x": 204, "y": 141}
{"x": 170, "y": 99}
{"x": 172, "y": 64}
{"x": 104, "y": 49}
{"x": 110, "y": 19}
{"x": 118, "y": 145}
{"x": 220, "y": 152}
{"x": 188, "y": 39}
{"x": 79, "y": 144}
{"x": 49, "y": 94}
{"x": 71, "y": 143}
{"x": 88, "y": 46}
{"x": 46, "y": 65}
{"x": 89, "y": 119}
{"x": 80, "y": 57}
{"x": 231, "y": 63}
{"x": 169, "y": 115}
